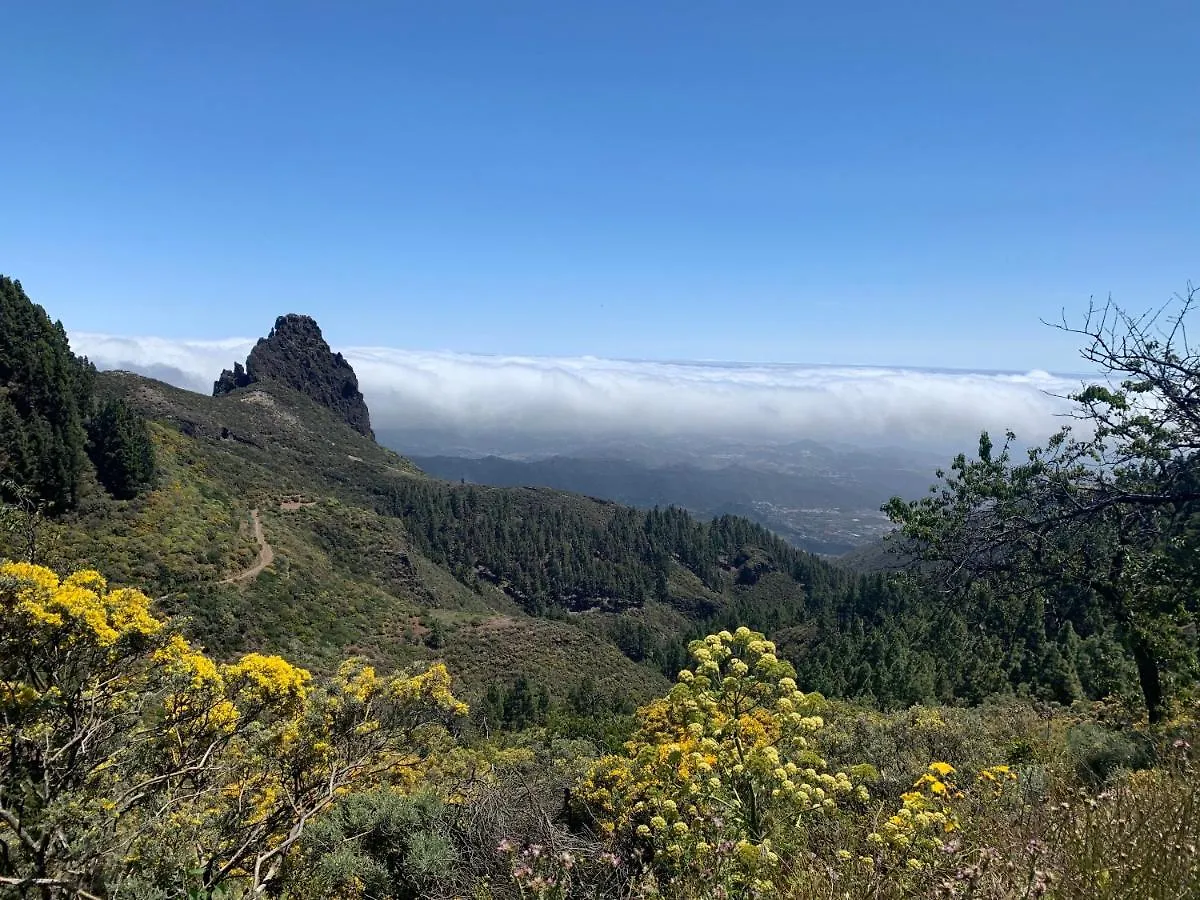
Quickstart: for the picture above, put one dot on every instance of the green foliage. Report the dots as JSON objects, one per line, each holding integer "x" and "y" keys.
{"x": 514, "y": 707}
{"x": 120, "y": 448}
{"x": 551, "y": 551}
{"x": 380, "y": 844}
{"x": 1099, "y": 752}
{"x": 1100, "y": 529}
{"x": 45, "y": 394}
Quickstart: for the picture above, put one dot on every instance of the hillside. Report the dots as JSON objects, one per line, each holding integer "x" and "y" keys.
{"x": 371, "y": 556}
{"x": 344, "y": 576}
{"x": 272, "y": 522}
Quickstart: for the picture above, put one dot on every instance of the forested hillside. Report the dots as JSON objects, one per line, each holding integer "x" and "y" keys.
{"x": 820, "y": 499}
{"x": 51, "y": 426}
{"x": 444, "y": 570}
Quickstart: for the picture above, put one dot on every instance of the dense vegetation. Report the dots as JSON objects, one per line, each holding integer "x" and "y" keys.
{"x": 863, "y": 636}
{"x": 133, "y": 765}
{"x": 819, "y": 504}
{"x": 50, "y": 423}
{"x": 44, "y": 397}
{"x": 120, "y": 448}
{"x": 1099, "y": 527}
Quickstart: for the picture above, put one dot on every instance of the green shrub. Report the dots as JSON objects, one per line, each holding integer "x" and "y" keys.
{"x": 1098, "y": 752}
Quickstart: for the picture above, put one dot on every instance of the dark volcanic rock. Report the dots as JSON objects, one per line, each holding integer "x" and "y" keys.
{"x": 295, "y": 354}
{"x": 231, "y": 381}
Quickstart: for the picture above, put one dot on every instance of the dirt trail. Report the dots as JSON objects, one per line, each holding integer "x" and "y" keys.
{"x": 266, "y": 554}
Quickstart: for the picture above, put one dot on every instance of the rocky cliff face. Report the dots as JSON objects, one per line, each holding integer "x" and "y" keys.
{"x": 295, "y": 354}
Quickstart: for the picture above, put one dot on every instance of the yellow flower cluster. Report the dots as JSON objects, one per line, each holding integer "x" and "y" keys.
{"x": 994, "y": 778}
{"x": 719, "y": 762}
{"x": 923, "y": 818}
{"x": 357, "y": 681}
{"x": 183, "y": 661}
{"x": 17, "y": 694}
{"x": 268, "y": 680}
{"x": 78, "y": 610}
{"x": 432, "y": 684}
{"x": 212, "y": 750}
{"x": 198, "y": 707}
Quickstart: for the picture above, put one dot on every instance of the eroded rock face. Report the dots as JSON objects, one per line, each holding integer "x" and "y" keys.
{"x": 295, "y": 354}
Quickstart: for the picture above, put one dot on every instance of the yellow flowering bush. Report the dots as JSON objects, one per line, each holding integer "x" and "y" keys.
{"x": 78, "y": 610}
{"x": 126, "y": 752}
{"x": 917, "y": 836}
{"x": 722, "y": 769}
{"x": 925, "y": 816}
{"x": 268, "y": 681}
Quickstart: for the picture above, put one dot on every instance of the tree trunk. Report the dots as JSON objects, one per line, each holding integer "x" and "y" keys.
{"x": 1148, "y": 676}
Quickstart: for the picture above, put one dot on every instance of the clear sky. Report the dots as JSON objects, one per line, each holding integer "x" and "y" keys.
{"x": 877, "y": 183}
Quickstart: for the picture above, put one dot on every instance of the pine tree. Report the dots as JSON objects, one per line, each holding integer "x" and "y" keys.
{"x": 120, "y": 448}
{"x": 45, "y": 392}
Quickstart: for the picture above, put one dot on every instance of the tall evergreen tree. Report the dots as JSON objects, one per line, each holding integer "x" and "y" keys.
{"x": 45, "y": 394}
{"x": 121, "y": 450}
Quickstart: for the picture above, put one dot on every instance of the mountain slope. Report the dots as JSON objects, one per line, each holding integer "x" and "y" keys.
{"x": 371, "y": 556}
{"x": 273, "y": 524}
{"x": 822, "y": 509}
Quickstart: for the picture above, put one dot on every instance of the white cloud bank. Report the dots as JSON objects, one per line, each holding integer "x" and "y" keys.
{"x": 588, "y": 397}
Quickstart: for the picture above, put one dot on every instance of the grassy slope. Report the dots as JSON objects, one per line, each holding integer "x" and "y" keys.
{"x": 345, "y": 579}
{"x": 346, "y": 576}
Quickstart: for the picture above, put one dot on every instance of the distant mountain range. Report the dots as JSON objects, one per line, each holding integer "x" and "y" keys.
{"x": 822, "y": 499}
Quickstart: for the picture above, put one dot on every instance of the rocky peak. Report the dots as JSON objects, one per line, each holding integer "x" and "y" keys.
{"x": 296, "y": 354}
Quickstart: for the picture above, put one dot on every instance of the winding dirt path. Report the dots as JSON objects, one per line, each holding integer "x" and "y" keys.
{"x": 266, "y": 554}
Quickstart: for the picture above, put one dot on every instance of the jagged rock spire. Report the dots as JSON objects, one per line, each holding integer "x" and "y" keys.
{"x": 296, "y": 354}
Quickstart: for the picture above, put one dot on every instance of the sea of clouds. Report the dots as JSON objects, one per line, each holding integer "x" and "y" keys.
{"x": 587, "y": 397}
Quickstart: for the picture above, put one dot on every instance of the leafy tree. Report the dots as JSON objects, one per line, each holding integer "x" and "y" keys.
{"x": 1099, "y": 522}
{"x": 45, "y": 393}
{"x": 520, "y": 705}
{"x": 437, "y": 634}
{"x": 130, "y": 761}
{"x": 121, "y": 450}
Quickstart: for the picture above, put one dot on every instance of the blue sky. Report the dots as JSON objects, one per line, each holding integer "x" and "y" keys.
{"x": 882, "y": 183}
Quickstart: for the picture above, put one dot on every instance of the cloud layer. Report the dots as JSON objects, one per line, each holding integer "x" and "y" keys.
{"x": 604, "y": 398}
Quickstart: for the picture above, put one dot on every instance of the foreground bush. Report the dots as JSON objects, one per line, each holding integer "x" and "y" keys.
{"x": 722, "y": 773}
{"x": 134, "y": 766}
{"x": 131, "y": 763}
{"x": 727, "y": 790}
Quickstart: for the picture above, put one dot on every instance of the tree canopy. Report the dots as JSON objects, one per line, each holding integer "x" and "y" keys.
{"x": 50, "y": 421}
{"x": 1101, "y": 520}
{"x": 45, "y": 395}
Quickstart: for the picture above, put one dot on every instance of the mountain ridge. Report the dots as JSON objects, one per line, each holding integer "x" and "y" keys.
{"x": 296, "y": 354}
{"x": 373, "y": 557}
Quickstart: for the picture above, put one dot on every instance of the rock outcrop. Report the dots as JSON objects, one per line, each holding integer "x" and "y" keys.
{"x": 295, "y": 354}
